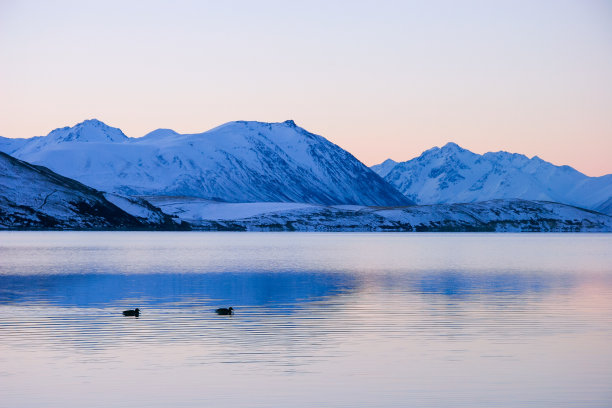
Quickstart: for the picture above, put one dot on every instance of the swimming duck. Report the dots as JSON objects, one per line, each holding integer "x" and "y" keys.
{"x": 135, "y": 312}
{"x": 225, "y": 311}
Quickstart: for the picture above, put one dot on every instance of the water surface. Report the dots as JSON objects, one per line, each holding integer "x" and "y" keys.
{"x": 336, "y": 320}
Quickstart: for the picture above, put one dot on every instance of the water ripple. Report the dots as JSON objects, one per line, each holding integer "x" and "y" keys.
{"x": 384, "y": 334}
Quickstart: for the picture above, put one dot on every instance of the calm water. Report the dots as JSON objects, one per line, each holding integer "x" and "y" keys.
{"x": 334, "y": 320}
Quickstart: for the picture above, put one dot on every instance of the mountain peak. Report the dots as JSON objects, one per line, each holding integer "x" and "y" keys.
{"x": 453, "y": 147}
{"x": 452, "y": 174}
{"x": 92, "y": 122}
{"x": 384, "y": 168}
{"x": 448, "y": 149}
{"x": 242, "y": 161}
{"x": 90, "y": 130}
{"x": 237, "y": 124}
{"x": 160, "y": 134}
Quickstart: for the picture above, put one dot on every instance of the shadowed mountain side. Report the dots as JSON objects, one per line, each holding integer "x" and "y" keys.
{"x": 34, "y": 197}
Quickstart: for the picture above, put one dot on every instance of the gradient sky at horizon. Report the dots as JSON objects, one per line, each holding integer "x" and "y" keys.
{"x": 381, "y": 79}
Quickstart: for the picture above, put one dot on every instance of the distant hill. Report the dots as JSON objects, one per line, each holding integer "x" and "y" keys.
{"x": 236, "y": 162}
{"x": 488, "y": 216}
{"x": 384, "y": 168}
{"x": 452, "y": 174}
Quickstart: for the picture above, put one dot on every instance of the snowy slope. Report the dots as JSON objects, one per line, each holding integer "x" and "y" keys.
{"x": 8, "y": 145}
{"x": 384, "y": 168}
{"x": 237, "y": 162}
{"x": 193, "y": 209}
{"x": 33, "y": 197}
{"x": 495, "y": 215}
{"x": 453, "y": 175}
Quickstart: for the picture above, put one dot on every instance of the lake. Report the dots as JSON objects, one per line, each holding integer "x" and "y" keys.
{"x": 321, "y": 319}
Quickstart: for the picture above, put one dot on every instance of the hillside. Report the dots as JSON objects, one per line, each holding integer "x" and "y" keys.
{"x": 490, "y": 216}
{"x": 34, "y": 197}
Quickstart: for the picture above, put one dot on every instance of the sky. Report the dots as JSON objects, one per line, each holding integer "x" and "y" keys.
{"x": 382, "y": 79}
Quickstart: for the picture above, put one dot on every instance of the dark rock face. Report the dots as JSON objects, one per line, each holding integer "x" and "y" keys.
{"x": 34, "y": 197}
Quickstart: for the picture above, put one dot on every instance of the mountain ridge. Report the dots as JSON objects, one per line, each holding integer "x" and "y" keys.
{"x": 452, "y": 174}
{"x": 34, "y": 197}
{"x": 251, "y": 161}
{"x": 241, "y": 161}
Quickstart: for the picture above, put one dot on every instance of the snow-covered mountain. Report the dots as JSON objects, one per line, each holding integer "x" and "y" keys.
{"x": 495, "y": 215}
{"x": 8, "y": 145}
{"x": 34, "y": 197}
{"x": 384, "y": 168}
{"x": 452, "y": 174}
{"x": 236, "y": 162}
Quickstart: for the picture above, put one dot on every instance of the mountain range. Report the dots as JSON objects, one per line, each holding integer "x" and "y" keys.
{"x": 452, "y": 174}
{"x": 235, "y": 162}
{"x": 271, "y": 176}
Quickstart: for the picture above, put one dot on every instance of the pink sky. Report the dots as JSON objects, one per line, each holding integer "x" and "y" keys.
{"x": 381, "y": 79}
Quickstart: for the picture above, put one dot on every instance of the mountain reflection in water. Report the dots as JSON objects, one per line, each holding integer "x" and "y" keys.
{"x": 320, "y": 320}
{"x": 273, "y": 290}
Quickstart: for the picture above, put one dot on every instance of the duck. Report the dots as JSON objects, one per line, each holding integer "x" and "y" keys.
{"x": 135, "y": 312}
{"x": 225, "y": 311}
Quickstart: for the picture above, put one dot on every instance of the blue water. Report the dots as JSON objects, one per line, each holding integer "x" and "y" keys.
{"x": 335, "y": 320}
